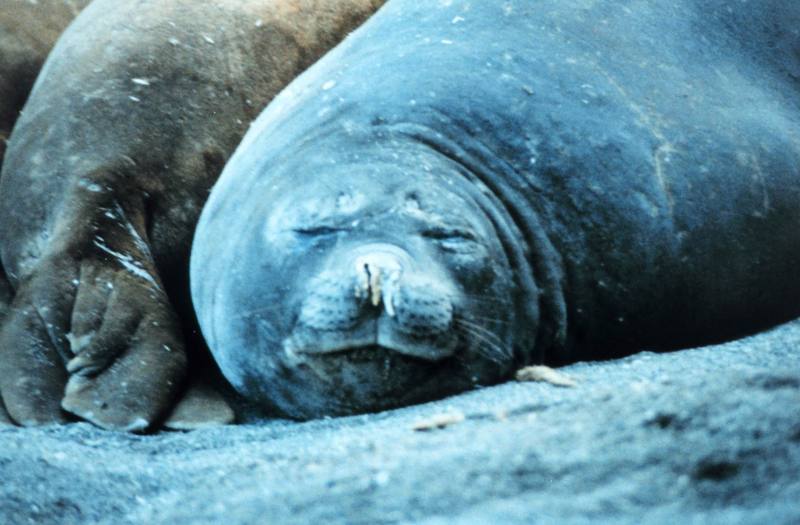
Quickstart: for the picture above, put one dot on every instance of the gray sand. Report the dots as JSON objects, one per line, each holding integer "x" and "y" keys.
{"x": 710, "y": 435}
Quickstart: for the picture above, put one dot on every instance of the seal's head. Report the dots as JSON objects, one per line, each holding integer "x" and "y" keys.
{"x": 362, "y": 289}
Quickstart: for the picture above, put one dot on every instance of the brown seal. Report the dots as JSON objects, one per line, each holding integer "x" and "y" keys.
{"x": 138, "y": 108}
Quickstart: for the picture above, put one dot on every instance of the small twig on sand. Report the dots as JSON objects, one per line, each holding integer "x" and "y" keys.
{"x": 546, "y": 374}
{"x": 438, "y": 421}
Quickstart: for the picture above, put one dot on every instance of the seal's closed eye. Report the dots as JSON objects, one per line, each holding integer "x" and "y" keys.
{"x": 443, "y": 233}
{"x": 318, "y": 231}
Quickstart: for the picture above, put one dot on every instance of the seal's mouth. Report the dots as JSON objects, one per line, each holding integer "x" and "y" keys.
{"x": 354, "y": 355}
{"x": 365, "y": 352}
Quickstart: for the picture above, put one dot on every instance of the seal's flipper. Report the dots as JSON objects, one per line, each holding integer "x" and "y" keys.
{"x": 135, "y": 390}
{"x": 32, "y": 377}
{"x": 202, "y": 406}
{"x": 129, "y": 360}
{"x": 206, "y": 402}
{"x": 93, "y": 308}
{"x": 140, "y": 380}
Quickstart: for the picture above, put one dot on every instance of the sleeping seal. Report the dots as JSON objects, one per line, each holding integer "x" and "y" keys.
{"x": 135, "y": 112}
{"x": 460, "y": 188}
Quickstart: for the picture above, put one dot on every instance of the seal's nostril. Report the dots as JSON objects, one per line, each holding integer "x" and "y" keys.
{"x": 378, "y": 271}
{"x": 374, "y": 285}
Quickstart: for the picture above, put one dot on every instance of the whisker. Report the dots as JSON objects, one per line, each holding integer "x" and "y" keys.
{"x": 485, "y": 318}
{"x": 477, "y": 326}
{"x": 489, "y": 345}
{"x": 485, "y": 348}
{"x": 488, "y": 300}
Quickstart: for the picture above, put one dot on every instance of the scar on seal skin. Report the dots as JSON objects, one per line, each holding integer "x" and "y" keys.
{"x": 136, "y": 111}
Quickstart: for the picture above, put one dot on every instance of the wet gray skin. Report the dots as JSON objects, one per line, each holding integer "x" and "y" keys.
{"x": 533, "y": 181}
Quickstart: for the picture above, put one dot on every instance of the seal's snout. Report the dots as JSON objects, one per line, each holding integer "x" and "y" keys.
{"x": 423, "y": 311}
{"x": 419, "y": 304}
{"x": 375, "y": 297}
{"x": 378, "y": 274}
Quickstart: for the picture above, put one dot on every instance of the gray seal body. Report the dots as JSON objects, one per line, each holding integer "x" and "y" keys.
{"x": 461, "y": 188}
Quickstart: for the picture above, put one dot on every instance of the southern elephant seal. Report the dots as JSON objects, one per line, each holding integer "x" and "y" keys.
{"x": 460, "y": 188}
{"x": 136, "y": 111}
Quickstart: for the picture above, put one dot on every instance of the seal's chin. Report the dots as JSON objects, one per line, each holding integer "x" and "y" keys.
{"x": 370, "y": 378}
